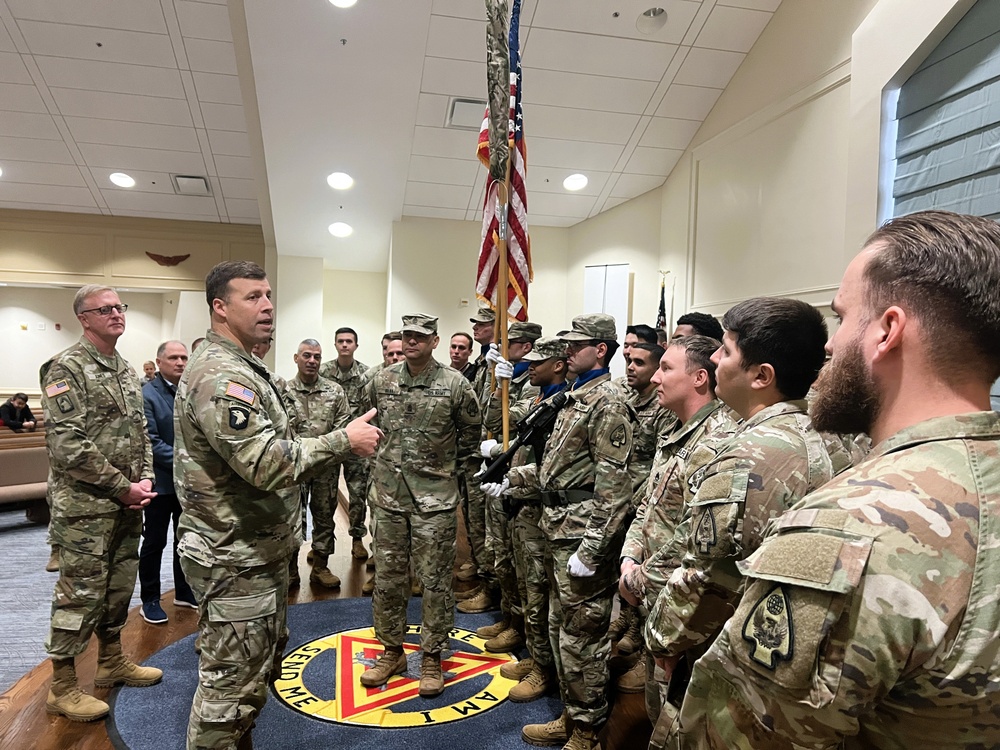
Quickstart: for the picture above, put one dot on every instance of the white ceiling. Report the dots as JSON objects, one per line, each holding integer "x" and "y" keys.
{"x": 161, "y": 96}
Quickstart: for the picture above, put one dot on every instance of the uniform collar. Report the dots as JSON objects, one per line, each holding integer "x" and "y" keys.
{"x": 590, "y": 376}
{"x": 983, "y": 425}
{"x": 234, "y": 348}
{"x": 683, "y": 431}
{"x": 115, "y": 363}
{"x": 426, "y": 376}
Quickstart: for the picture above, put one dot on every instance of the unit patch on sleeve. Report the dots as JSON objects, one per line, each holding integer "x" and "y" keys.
{"x": 617, "y": 438}
{"x": 239, "y": 417}
{"x": 768, "y": 629}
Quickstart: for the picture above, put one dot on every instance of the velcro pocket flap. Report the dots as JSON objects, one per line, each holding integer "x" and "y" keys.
{"x": 815, "y": 559}
{"x": 243, "y": 608}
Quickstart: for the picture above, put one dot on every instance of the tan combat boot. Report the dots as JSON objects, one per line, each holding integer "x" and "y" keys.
{"x": 66, "y": 699}
{"x": 584, "y": 738}
{"x": 52, "y": 566}
{"x": 461, "y": 596}
{"x": 390, "y": 663}
{"x": 467, "y": 572}
{"x": 492, "y": 631}
{"x": 114, "y": 668}
{"x": 510, "y": 639}
{"x": 632, "y": 640}
{"x": 548, "y": 735}
{"x": 368, "y": 588}
{"x": 416, "y": 587}
{"x": 620, "y": 625}
{"x": 321, "y": 574}
{"x": 358, "y": 551}
{"x": 431, "y": 678}
{"x": 634, "y": 680}
{"x": 517, "y": 670}
{"x": 481, "y": 602}
{"x": 537, "y": 683}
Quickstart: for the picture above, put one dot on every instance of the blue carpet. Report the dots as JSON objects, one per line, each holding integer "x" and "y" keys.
{"x": 471, "y": 713}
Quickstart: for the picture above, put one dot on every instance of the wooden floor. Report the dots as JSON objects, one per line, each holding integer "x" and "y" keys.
{"x": 24, "y": 724}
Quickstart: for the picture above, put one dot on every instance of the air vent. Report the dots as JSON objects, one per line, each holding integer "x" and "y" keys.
{"x": 190, "y": 185}
{"x": 466, "y": 114}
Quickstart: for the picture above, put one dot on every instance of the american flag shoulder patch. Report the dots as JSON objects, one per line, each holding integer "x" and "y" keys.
{"x": 60, "y": 386}
{"x": 241, "y": 392}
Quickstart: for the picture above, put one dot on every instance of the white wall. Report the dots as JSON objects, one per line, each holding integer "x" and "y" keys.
{"x": 298, "y": 309}
{"x": 185, "y": 316}
{"x": 356, "y": 300}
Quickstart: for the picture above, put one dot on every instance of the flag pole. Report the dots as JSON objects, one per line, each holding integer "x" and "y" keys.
{"x": 502, "y": 303}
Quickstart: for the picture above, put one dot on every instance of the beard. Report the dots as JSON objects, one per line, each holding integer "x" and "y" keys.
{"x": 847, "y": 399}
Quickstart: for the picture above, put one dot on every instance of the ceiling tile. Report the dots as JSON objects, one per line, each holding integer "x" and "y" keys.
{"x": 224, "y": 116}
{"x": 126, "y": 107}
{"x": 444, "y": 171}
{"x": 556, "y": 221}
{"x": 234, "y": 166}
{"x": 733, "y": 29}
{"x": 56, "y": 195}
{"x": 145, "y": 182}
{"x": 229, "y": 143}
{"x": 596, "y": 18}
{"x": 549, "y": 152}
{"x": 456, "y": 39}
{"x": 20, "y": 97}
{"x": 220, "y": 89}
{"x": 432, "y": 194}
{"x": 770, "y": 5}
{"x": 550, "y": 180}
{"x": 460, "y": 9}
{"x": 148, "y": 159}
{"x": 80, "y": 42}
{"x": 207, "y": 56}
{"x": 613, "y": 201}
{"x": 453, "y": 77}
{"x": 40, "y": 173}
{"x": 598, "y": 55}
{"x": 6, "y": 43}
{"x": 134, "y": 15}
{"x": 242, "y": 209}
{"x": 452, "y": 144}
{"x": 577, "y": 124}
{"x": 432, "y": 110}
{"x": 688, "y": 102}
{"x": 586, "y": 92}
{"x": 434, "y": 212}
{"x": 709, "y": 67}
{"x": 653, "y": 161}
{"x": 555, "y": 204}
{"x": 204, "y": 21}
{"x": 28, "y": 125}
{"x": 632, "y": 185}
{"x": 115, "y": 77}
{"x": 137, "y": 134}
{"x": 12, "y": 70}
{"x": 176, "y": 204}
{"x": 31, "y": 149}
{"x": 664, "y": 132}
{"x": 238, "y": 189}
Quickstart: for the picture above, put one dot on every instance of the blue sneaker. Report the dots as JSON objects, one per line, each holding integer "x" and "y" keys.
{"x": 185, "y": 601}
{"x": 153, "y": 613}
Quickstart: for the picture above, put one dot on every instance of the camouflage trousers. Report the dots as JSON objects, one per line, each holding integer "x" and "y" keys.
{"x": 356, "y": 473}
{"x": 428, "y": 540}
{"x": 579, "y": 618}
{"x": 532, "y": 581}
{"x": 474, "y": 515}
{"x": 99, "y": 559}
{"x": 321, "y": 494}
{"x": 499, "y": 547}
{"x": 241, "y": 623}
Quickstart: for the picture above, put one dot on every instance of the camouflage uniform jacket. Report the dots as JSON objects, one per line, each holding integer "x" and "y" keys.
{"x": 587, "y": 452}
{"x": 483, "y": 382}
{"x": 431, "y": 423}
{"x": 871, "y": 611}
{"x": 95, "y": 431}
{"x": 352, "y": 380}
{"x": 772, "y": 461}
{"x": 520, "y": 390}
{"x": 650, "y": 538}
{"x": 652, "y": 422}
{"x": 233, "y": 452}
{"x": 317, "y": 408}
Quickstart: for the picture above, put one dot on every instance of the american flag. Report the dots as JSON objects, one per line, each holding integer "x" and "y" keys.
{"x": 518, "y": 243}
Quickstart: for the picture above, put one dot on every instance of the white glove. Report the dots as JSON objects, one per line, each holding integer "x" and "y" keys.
{"x": 502, "y": 369}
{"x": 493, "y": 355}
{"x": 486, "y": 448}
{"x": 578, "y": 568}
{"x": 496, "y": 489}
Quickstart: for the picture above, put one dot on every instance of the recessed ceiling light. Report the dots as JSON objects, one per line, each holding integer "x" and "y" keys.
{"x": 651, "y": 20}
{"x": 575, "y": 182}
{"x": 1, "y": 171}
{"x": 340, "y": 180}
{"x": 343, "y": 3}
{"x": 122, "y": 180}
{"x": 340, "y": 229}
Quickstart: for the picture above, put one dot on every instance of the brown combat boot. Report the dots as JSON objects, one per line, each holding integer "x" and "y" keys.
{"x": 634, "y": 680}
{"x": 539, "y": 682}
{"x": 510, "y": 639}
{"x": 114, "y": 668}
{"x": 416, "y": 587}
{"x": 461, "y": 596}
{"x": 431, "y": 677}
{"x": 620, "y": 625}
{"x": 390, "y": 663}
{"x": 584, "y": 738}
{"x": 321, "y": 574}
{"x": 358, "y": 551}
{"x": 548, "y": 735}
{"x": 52, "y": 566}
{"x": 492, "y": 631}
{"x": 369, "y": 586}
{"x": 631, "y": 642}
{"x": 517, "y": 670}
{"x": 484, "y": 601}
{"x": 466, "y": 572}
{"x": 66, "y": 699}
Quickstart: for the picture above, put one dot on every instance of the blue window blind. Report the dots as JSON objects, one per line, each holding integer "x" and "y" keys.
{"x": 948, "y": 123}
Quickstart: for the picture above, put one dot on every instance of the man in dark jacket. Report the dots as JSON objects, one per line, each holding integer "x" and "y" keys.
{"x": 16, "y": 415}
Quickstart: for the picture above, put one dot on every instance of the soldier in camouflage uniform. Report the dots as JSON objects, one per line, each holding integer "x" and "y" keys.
{"x": 234, "y": 453}
{"x": 771, "y": 353}
{"x": 521, "y": 336}
{"x": 685, "y": 384}
{"x": 317, "y": 406}
{"x": 586, "y": 493}
{"x": 350, "y": 374}
{"x": 431, "y": 419}
{"x": 870, "y": 616}
{"x": 100, "y": 478}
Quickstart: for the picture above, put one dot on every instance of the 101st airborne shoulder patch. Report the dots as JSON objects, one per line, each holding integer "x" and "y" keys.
{"x": 768, "y": 629}
{"x": 239, "y": 417}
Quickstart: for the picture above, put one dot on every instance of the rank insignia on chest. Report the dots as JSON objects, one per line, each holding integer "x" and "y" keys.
{"x": 239, "y": 417}
{"x": 768, "y": 629}
{"x": 704, "y": 535}
{"x": 409, "y": 409}
{"x": 617, "y": 438}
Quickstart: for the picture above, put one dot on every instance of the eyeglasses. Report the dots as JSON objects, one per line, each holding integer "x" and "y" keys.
{"x": 575, "y": 346}
{"x": 106, "y": 310}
